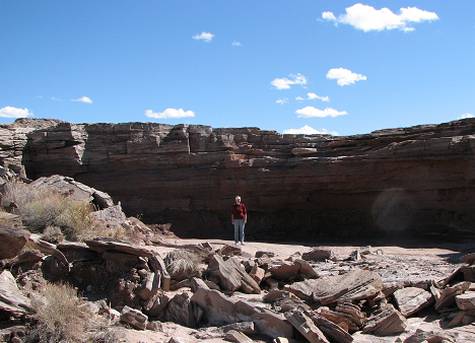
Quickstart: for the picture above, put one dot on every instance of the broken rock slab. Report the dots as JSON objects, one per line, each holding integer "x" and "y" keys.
{"x": 237, "y": 337}
{"x": 411, "y": 300}
{"x": 231, "y": 275}
{"x": 386, "y": 322}
{"x": 303, "y": 324}
{"x": 12, "y": 301}
{"x": 134, "y": 318}
{"x": 221, "y": 310}
{"x": 446, "y": 297}
{"x": 331, "y": 330}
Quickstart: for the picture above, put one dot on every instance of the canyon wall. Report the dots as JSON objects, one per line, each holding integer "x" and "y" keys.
{"x": 397, "y": 182}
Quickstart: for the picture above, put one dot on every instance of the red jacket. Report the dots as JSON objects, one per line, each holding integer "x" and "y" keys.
{"x": 239, "y": 211}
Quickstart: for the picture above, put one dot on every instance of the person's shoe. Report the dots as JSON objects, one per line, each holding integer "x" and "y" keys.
{"x": 242, "y": 243}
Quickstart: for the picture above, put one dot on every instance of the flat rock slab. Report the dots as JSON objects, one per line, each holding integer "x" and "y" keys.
{"x": 446, "y": 297}
{"x": 411, "y": 300}
{"x": 102, "y": 245}
{"x": 12, "y": 300}
{"x": 303, "y": 324}
{"x": 352, "y": 286}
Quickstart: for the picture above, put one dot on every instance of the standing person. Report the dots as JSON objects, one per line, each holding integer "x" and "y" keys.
{"x": 239, "y": 219}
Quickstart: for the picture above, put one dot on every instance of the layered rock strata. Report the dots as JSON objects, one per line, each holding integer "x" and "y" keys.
{"x": 408, "y": 181}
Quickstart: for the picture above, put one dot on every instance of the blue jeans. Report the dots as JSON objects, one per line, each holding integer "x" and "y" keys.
{"x": 239, "y": 230}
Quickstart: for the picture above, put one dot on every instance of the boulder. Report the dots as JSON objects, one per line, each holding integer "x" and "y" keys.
{"x": 230, "y": 250}
{"x": 12, "y": 301}
{"x": 261, "y": 253}
{"x": 245, "y": 327}
{"x": 12, "y": 241}
{"x": 134, "y": 318}
{"x": 411, "y": 300}
{"x": 150, "y": 286}
{"x": 284, "y": 270}
{"x": 318, "y": 255}
{"x": 231, "y": 275}
{"x": 220, "y": 310}
{"x": 306, "y": 327}
{"x": 180, "y": 310}
{"x": 257, "y": 273}
{"x": 348, "y": 316}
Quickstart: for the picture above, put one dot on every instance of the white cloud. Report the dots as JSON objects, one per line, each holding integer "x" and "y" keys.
{"x": 204, "y": 36}
{"x": 282, "y": 101}
{"x": 344, "y": 77}
{"x": 308, "y": 130}
{"x": 292, "y": 80}
{"x": 315, "y": 96}
{"x": 299, "y": 98}
{"x": 14, "y": 112}
{"x": 83, "y": 99}
{"x": 314, "y": 112}
{"x": 236, "y": 43}
{"x": 367, "y": 18}
{"x": 466, "y": 116}
{"x": 170, "y": 113}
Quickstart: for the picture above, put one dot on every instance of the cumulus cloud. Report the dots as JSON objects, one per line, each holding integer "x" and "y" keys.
{"x": 282, "y": 101}
{"x": 14, "y": 112}
{"x": 315, "y": 96}
{"x": 236, "y": 44}
{"x": 308, "y": 130}
{"x": 367, "y": 18}
{"x": 83, "y": 99}
{"x": 170, "y": 113}
{"x": 466, "y": 116}
{"x": 288, "y": 82}
{"x": 204, "y": 36}
{"x": 345, "y": 77}
{"x": 314, "y": 112}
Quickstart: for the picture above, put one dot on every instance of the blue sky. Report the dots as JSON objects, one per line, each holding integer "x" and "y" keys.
{"x": 116, "y": 61}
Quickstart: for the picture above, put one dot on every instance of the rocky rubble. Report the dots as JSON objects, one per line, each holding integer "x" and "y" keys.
{"x": 315, "y": 295}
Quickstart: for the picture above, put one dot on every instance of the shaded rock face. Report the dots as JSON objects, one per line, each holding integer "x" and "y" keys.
{"x": 400, "y": 181}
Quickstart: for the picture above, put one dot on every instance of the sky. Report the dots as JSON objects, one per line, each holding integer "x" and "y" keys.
{"x": 294, "y": 66}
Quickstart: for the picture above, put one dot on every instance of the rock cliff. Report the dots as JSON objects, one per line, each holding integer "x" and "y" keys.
{"x": 407, "y": 181}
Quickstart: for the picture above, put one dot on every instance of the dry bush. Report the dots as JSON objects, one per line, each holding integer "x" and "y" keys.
{"x": 53, "y": 234}
{"x": 182, "y": 264}
{"x": 61, "y": 315}
{"x": 40, "y": 208}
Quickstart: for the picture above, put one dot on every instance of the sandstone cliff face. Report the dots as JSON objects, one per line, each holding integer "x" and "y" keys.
{"x": 402, "y": 181}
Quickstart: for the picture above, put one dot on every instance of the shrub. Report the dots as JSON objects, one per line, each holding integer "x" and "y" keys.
{"x": 182, "y": 264}
{"x": 53, "y": 234}
{"x": 61, "y": 315}
{"x": 41, "y": 208}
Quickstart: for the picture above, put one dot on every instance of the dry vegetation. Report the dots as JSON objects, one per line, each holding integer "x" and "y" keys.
{"x": 182, "y": 264}
{"x": 61, "y": 315}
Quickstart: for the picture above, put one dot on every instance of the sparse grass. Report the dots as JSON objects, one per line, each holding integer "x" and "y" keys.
{"x": 61, "y": 315}
{"x": 53, "y": 234}
{"x": 182, "y": 264}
